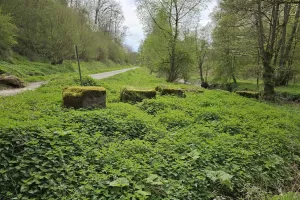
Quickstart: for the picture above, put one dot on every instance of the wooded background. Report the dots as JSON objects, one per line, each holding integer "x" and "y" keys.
{"x": 49, "y": 29}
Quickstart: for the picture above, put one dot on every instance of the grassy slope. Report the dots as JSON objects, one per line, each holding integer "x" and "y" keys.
{"x": 36, "y": 71}
{"x": 204, "y": 146}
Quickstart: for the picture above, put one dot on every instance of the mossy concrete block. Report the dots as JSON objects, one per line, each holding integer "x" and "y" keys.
{"x": 137, "y": 95}
{"x": 84, "y": 97}
{"x": 165, "y": 90}
{"x": 248, "y": 94}
{"x": 195, "y": 90}
{"x": 173, "y": 91}
{"x": 160, "y": 88}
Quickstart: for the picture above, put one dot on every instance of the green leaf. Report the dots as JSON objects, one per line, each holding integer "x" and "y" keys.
{"x": 120, "y": 182}
{"x": 221, "y": 176}
{"x": 154, "y": 179}
{"x": 194, "y": 154}
{"x": 143, "y": 193}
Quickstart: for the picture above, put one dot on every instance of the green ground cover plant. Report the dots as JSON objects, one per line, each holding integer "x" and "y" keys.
{"x": 211, "y": 145}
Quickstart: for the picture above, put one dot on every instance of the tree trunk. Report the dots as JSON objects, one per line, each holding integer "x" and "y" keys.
{"x": 267, "y": 54}
{"x": 201, "y": 72}
{"x": 96, "y": 16}
{"x": 268, "y": 77}
{"x": 284, "y": 72}
{"x": 172, "y": 76}
{"x": 204, "y": 84}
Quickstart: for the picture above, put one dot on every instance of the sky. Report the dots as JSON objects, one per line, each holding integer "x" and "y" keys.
{"x": 135, "y": 29}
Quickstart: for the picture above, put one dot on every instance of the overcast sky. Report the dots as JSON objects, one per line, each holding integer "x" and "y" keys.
{"x": 135, "y": 28}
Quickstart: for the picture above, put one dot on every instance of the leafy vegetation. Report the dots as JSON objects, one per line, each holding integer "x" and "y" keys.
{"x": 167, "y": 49}
{"x": 48, "y": 30}
{"x": 209, "y": 145}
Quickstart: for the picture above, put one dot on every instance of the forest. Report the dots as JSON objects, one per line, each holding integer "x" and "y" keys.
{"x": 207, "y": 108}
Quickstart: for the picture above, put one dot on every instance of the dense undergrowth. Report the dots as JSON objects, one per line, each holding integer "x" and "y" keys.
{"x": 205, "y": 146}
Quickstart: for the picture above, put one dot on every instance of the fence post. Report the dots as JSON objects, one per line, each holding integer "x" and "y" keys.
{"x": 78, "y": 61}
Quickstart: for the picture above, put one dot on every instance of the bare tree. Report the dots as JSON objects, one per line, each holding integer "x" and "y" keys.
{"x": 178, "y": 11}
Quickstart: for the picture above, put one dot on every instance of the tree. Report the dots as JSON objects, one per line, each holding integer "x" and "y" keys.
{"x": 177, "y": 12}
{"x": 154, "y": 51}
{"x": 201, "y": 50}
{"x": 227, "y": 44}
{"x": 284, "y": 50}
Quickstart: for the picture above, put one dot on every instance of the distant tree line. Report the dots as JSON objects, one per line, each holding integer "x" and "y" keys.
{"x": 49, "y": 29}
{"x": 246, "y": 39}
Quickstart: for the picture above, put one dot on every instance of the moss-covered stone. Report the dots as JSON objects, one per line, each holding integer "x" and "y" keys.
{"x": 84, "y": 97}
{"x": 173, "y": 91}
{"x": 249, "y": 94}
{"x": 160, "y": 88}
{"x": 136, "y": 95}
{"x": 195, "y": 90}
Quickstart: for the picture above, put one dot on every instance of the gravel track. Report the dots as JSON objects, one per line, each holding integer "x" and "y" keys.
{"x": 35, "y": 85}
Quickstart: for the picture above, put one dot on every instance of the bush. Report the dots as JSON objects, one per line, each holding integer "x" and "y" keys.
{"x": 12, "y": 81}
{"x": 86, "y": 81}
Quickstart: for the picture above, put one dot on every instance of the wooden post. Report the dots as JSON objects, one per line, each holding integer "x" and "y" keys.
{"x": 78, "y": 61}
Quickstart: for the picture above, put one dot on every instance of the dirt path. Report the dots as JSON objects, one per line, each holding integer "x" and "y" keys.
{"x": 33, "y": 86}
{"x": 30, "y": 86}
{"x": 109, "y": 74}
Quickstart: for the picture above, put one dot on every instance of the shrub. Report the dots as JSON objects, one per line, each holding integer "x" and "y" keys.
{"x": 152, "y": 107}
{"x": 86, "y": 81}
